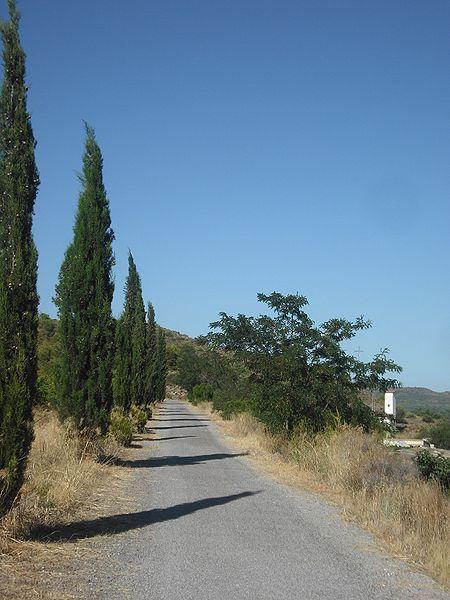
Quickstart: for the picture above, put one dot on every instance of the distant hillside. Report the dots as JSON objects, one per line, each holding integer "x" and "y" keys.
{"x": 175, "y": 337}
{"x": 413, "y": 398}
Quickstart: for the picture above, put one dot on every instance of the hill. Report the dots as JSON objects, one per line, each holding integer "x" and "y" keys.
{"x": 414, "y": 398}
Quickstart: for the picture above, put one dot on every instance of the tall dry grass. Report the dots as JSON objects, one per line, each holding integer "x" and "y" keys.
{"x": 378, "y": 487}
{"x": 64, "y": 472}
{"x": 67, "y": 477}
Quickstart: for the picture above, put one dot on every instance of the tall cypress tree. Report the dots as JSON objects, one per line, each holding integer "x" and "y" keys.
{"x": 130, "y": 361}
{"x": 138, "y": 347}
{"x": 150, "y": 388}
{"x": 83, "y": 295}
{"x": 19, "y": 182}
{"x": 160, "y": 365}
{"x": 122, "y": 363}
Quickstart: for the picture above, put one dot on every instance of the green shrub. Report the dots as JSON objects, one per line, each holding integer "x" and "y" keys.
{"x": 426, "y": 418}
{"x": 203, "y": 392}
{"x": 233, "y": 407}
{"x": 434, "y": 468}
{"x": 401, "y": 414}
{"x": 439, "y": 434}
{"x": 139, "y": 418}
{"x": 121, "y": 427}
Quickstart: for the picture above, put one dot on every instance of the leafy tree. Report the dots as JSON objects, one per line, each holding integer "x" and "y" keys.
{"x": 300, "y": 371}
{"x": 19, "y": 182}
{"x": 83, "y": 296}
{"x": 131, "y": 356}
{"x": 189, "y": 367}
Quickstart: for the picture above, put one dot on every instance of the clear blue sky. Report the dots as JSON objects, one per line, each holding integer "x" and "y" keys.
{"x": 257, "y": 146}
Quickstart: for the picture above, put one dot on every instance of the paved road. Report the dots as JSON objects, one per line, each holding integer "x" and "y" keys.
{"x": 207, "y": 527}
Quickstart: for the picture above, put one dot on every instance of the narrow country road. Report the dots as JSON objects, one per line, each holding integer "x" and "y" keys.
{"x": 207, "y": 527}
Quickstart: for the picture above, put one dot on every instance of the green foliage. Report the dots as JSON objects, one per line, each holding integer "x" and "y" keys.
{"x": 160, "y": 369}
{"x": 121, "y": 427}
{"x": 202, "y": 392}
{"x": 190, "y": 366}
{"x": 234, "y": 407}
{"x": 300, "y": 372}
{"x": 83, "y": 297}
{"x": 130, "y": 364}
{"x": 19, "y": 181}
{"x": 138, "y": 343}
{"x": 434, "y": 468}
{"x": 172, "y": 353}
{"x": 48, "y": 360}
{"x": 401, "y": 414}
{"x": 139, "y": 418}
{"x": 203, "y": 368}
{"x": 439, "y": 434}
{"x": 151, "y": 344}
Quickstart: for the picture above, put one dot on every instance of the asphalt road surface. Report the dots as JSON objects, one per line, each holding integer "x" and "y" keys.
{"x": 207, "y": 526}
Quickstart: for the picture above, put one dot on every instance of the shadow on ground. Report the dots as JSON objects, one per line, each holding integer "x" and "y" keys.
{"x": 126, "y": 522}
{"x": 187, "y": 419}
{"x": 172, "y": 437}
{"x": 178, "y": 426}
{"x": 174, "y": 461}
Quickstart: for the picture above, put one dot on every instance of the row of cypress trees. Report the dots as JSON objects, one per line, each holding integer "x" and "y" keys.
{"x": 140, "y": 367}
{"x": 103, "y": 362}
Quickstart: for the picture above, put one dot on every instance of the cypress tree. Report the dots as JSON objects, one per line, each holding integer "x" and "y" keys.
{"x": 122, "y": 363}
{"x": 19, "y": 182}
{"x": 138, "y": 347}
{"x": 161, "y": 365}
{"x": 130, "y": 362}
{"x": 83, "y": 295}
{"x": 150, "y": 392}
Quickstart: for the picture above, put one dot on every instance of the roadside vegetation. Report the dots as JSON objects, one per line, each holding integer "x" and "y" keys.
{"x": 425, "y": 423}
{"x": 377, "y": 487}
{"x": 285, "y": 390}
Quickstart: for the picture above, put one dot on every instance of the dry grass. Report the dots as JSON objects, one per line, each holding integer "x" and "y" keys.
{"x": 376, "y": 486}
{"x": 66, "y": 478}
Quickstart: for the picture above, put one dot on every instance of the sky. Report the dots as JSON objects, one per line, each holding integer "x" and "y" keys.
{"x": 254, "y": 145}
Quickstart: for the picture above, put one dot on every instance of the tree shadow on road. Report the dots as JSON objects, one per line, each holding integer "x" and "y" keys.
{"x": 188, "y": 419}
{"x": 128, "y": 521}
{"x": 178, "y": 426}
{"x": 172, "y": 437}
{"x": 175, "y": 461}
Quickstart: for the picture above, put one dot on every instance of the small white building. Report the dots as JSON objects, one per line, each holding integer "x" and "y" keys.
{"x": 390, "y": 407}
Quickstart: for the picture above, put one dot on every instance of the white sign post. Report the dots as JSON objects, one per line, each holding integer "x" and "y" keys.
{"x": 390, "y": 405}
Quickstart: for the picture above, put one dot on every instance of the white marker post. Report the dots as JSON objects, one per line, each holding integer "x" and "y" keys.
{"x": 390, "y": 407}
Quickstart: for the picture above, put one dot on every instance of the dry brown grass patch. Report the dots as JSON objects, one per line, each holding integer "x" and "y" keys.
{"x": 67, "y": 477}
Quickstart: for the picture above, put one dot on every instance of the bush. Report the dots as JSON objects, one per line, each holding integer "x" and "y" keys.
{"x": 235, "y": 407}
{"x": 121, "y": 427}
{"x": 139, "y": 418}
{"x": 401, "y": 414}
{"x": 202, "y": 392}
{"x": 426, "y": 418}
{"x": 439, "y": 434}
{"x": 434, "y": 468}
